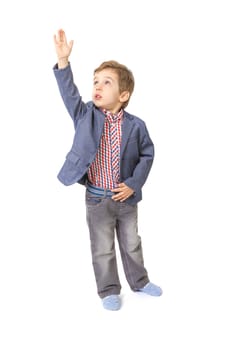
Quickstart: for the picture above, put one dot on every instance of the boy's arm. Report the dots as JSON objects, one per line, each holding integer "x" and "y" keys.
{"x": 143, "y": 167}
{"x": 63, "y": 73}
{"x": 70, "y": 93}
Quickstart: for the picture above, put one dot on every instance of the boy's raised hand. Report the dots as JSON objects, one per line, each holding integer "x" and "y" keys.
{"x": 62, "y": 47}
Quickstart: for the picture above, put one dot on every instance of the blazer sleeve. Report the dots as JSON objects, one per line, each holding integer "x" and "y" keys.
{"x": 70, "y": 93}
{"x": 144, "y": 164}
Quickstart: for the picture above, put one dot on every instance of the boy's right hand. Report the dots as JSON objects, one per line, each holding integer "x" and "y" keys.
{"x": 63, "y": 48}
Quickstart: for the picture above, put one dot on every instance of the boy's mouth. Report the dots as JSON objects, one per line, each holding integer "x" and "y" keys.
{"x": 97, "y": 96}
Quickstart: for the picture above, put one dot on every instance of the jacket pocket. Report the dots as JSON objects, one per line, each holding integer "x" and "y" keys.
{"x": 133, "y": 139}
{"x": 73, "y": 157}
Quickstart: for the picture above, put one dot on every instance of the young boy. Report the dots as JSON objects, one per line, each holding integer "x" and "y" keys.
{"x": 111, "y": 155}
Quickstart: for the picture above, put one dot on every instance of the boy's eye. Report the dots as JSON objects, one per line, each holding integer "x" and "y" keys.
{"x": 95, "y": 82}
{"x": 107, "y": 82}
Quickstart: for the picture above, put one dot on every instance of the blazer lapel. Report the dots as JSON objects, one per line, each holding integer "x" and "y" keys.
{"x": 126, "y": 130}
{"x": 99, "y": 123}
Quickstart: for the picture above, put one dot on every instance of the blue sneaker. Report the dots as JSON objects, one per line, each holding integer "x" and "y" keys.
{"x": 112, "y": 302}
{"x": 151, "y": 289}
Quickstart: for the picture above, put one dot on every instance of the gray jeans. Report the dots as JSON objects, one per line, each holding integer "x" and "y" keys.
{"x": 106, "y": 218}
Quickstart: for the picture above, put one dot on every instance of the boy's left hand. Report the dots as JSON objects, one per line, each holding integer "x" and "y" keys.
{"x": 123, "y": 192}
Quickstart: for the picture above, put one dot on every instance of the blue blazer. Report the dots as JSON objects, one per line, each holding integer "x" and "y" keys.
{"x": 137, "y": 149}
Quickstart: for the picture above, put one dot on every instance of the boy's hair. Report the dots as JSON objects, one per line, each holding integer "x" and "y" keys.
{"x": 125, "y": 77}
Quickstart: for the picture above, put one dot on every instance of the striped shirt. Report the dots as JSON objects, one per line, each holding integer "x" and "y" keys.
{"x": 104, "y": 171}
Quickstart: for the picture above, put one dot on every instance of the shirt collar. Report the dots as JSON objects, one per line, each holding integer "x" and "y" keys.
{"x": 113, "y": 117}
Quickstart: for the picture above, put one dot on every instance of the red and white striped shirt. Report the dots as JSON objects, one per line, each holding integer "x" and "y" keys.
{"x": 104, "y": 171}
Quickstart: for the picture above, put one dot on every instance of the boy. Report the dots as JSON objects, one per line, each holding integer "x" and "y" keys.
{"x": 111, "y": 155}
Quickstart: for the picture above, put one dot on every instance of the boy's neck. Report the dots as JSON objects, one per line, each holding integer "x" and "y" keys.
{"x": 104, "y": 110}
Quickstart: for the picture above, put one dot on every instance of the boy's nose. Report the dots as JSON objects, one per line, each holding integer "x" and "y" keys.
{"x": 98, "y": 87}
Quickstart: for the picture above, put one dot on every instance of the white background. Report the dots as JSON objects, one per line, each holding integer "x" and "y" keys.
{"x": 181, "y": 55}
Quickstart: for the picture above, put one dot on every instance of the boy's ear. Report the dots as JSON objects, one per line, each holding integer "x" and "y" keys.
{"x": 124, "y": 96}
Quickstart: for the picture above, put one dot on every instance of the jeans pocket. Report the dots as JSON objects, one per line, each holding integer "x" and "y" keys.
{"x": 92, "y": 201}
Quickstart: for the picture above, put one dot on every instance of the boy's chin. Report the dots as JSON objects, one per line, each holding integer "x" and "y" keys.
{"x": 98, "y": 104}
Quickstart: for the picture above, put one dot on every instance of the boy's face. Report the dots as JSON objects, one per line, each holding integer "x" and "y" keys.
{"x": 106, "y": 93}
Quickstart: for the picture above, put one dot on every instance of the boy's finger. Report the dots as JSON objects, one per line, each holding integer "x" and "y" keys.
{"x": 62, "y": 36}
{"x": 115, "y": 189}
{"x": 55, "y": 39}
